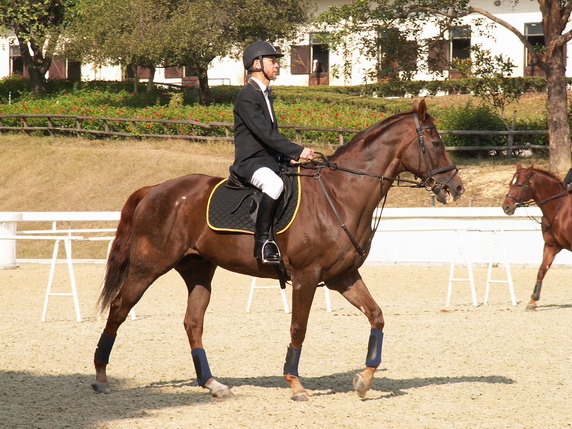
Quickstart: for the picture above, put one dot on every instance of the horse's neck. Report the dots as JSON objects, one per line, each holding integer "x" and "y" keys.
{"x": 366, "y": 191}
{"x": 545, "y": 187}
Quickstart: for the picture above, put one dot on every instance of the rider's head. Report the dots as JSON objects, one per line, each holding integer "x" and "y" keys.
{"x": 261, "y": 57}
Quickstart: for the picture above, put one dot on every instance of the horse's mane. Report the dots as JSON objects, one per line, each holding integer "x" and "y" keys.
{"x": 548, "y": 173}
{"x": 372, "y": 132}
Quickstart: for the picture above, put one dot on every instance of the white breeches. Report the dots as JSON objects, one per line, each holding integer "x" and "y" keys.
{"x": 268, "y": 182}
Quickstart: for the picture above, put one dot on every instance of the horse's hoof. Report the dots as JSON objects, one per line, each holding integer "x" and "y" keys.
{"x": 223, "y": 393}
{"x": 101, "y": 388}
{"x": 219, "y": 390}
{"x": 361, "y": 386}
{"x": 300, "y": 397}
{"x": 531, "y": 307}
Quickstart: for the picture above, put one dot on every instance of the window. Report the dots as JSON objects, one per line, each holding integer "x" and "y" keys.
{"x": 461, "y": 43}
{"x": 534, "y": 33}
{"x": 16, "y": 61}
{"x": 312, "y": 59}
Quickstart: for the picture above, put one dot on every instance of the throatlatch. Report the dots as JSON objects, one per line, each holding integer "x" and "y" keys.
{"x": 374, "y": 348}
{"x": 201, "y": 365}
{"x": 104, "y": 347}
{"x": 292, "y": 361}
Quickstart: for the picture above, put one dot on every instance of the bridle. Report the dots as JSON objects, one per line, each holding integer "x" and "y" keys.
{"x": 528, "y": 186}
{"x": 428, "y": 167}
{"x": 321, "y": 162}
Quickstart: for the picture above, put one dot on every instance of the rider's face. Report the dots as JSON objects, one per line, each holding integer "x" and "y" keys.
{"x": 271, "y": 67}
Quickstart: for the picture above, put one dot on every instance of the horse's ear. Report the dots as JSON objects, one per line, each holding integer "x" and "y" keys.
{"x": 518, "y": 166}
{"x": 421, "y": 109}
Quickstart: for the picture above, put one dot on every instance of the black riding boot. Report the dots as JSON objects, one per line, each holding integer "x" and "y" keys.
{"x": 265, "y": 249}
{"x": 568, "y": 180}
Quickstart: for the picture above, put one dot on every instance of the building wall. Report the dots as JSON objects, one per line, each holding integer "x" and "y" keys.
{"x": 230, "y": 70}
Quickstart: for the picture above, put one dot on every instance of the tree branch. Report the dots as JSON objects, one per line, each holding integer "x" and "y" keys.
{"x": 537, "y": 59}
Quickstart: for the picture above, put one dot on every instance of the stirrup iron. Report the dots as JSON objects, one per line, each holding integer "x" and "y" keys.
{"x": 274, "y": 248}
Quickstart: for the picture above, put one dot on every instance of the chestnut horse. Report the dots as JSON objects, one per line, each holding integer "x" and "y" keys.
{"x": 164, "y": 227}
{"x": 551, "y": 195}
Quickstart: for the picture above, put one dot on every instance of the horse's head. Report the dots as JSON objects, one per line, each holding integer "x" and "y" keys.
{"x": 427, "y": 158}
{"x": 519, "y": 190}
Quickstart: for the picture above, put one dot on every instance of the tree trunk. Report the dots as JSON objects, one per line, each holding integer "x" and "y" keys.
{"x": 151, "y": 81}
{"x": 36, "y": 65}
{"x": 557, "y": 104}
{"x": 135, "y": 78}
{"x": 37, "y": 82}
{"x": 204, "y": 90}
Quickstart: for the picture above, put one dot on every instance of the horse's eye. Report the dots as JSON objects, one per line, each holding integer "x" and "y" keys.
{"x": 436, "y": 143}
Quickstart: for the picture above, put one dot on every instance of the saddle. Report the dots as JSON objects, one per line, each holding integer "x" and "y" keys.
{"x": 233, "y": 205}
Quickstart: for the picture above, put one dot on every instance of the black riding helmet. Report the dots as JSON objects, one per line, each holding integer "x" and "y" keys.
{"x": 257, "y": 50}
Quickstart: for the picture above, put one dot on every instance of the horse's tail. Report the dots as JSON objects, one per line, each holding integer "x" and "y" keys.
{"x": 118, "y": 260}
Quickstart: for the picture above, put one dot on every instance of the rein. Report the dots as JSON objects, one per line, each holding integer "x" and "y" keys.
{"x": 318, "y": 166}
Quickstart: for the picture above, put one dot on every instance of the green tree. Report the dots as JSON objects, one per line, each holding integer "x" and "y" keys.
{"x": 38, "y": 25}
{"x": 129, "y": 33}
{"x": 178, "y": 32}
{"x": 202, "y": 30}
{"x": 409, "y": 17}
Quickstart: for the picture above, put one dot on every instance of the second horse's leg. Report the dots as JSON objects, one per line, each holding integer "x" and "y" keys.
{"x": 548, "y": 255}
{"x": 198, "y": 274}
{"x": 355, "y": 291}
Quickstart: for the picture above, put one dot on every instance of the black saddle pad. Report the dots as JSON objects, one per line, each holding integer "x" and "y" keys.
{"x": 234, "y": 210}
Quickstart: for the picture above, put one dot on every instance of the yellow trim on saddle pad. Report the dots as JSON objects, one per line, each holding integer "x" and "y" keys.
{"x": 214, "y": 228}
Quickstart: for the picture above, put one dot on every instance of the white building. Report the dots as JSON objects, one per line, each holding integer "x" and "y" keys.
{"x": 307, "y": 62}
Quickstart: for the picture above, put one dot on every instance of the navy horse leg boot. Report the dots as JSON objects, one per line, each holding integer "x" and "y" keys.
{"x": 264, "y": 248}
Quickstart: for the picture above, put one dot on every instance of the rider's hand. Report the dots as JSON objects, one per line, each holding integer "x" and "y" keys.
{"x": 307, "y": 153}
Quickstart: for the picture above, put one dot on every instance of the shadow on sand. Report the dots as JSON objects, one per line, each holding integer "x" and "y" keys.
{"x": 37, "y": 400}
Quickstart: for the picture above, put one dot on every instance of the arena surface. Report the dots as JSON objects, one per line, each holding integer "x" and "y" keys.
{"x": 493, "y": 366}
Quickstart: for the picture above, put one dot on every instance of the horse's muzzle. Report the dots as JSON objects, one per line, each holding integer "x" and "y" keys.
{"x": 447, "y": 189}
{"x": 509, "y": 207}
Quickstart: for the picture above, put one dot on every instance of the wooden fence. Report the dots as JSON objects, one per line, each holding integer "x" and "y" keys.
{"x": 80, "y": 126}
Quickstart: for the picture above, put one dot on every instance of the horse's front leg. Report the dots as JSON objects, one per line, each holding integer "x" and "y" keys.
{"x": 198, "y": 275}
{"x": 302, "y": 297}
{"x": 548, "y": 255}
{"x": 355, "y": 291}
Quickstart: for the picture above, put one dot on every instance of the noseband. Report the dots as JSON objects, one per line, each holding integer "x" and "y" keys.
{"x": 527, "y": 185}
{"x": 428, "y": 167}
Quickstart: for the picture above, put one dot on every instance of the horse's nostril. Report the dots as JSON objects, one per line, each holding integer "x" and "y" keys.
{"x": 460, "y": 189}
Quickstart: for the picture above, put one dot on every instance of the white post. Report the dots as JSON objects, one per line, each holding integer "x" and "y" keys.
{"x": 8, "y": 247}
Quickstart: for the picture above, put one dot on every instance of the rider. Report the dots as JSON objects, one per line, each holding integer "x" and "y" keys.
{"x": 259, "y": 147}
{"x": 568, "y": 180}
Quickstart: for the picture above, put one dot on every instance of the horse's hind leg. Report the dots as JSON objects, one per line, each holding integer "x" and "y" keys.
{"x": 198, "y": 273}
{"x": 355, "y": 291}
{"x": 132, "y": 290}
{"x": 548, "y": 255}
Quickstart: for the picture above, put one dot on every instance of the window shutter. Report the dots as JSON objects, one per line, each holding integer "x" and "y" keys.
{"x": 173, "y": 72}
{"x": 143, "y": 72}
{"x": 300, "y": 59}
{"x": 58, "y": 69}
{"x": 438, "y": 55}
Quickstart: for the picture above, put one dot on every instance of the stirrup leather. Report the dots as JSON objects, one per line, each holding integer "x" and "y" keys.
{"x": 274, "y": 248}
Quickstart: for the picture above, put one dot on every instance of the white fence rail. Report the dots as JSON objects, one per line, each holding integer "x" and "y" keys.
{"x": 455, "y": 236}
{"x": 434, "y": 234}
{"x": 405, "y": 235}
